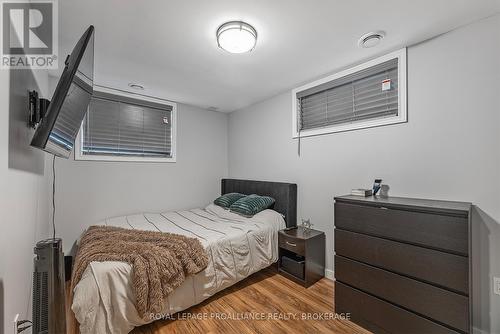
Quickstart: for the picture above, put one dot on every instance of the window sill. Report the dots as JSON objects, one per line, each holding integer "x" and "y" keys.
{"x": 109, "y": 158}
{"x": 351, "y": 127}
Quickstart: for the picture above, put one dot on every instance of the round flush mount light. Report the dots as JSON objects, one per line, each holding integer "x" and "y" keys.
{"x": 136, "y": 86}
{"x": 371, "y": 39}
{"x": 236, "y": 37}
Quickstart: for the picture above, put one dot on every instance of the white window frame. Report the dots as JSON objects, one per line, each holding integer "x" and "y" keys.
{"x": 90, "y": 157}
{"x": 402, "y": 116}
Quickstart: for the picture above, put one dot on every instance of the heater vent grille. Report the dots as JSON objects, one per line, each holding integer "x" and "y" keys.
{"x": 40, "y": 302}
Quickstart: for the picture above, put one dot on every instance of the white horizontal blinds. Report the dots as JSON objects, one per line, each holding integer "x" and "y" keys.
{"x": 101, "y": 127}
{"x": 125, "y": 129}
{"x": 158, "y": 137}
{"x": 355, "y": 97}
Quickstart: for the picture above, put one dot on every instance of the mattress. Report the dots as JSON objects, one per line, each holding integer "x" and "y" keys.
{"x": 103, "y": 300}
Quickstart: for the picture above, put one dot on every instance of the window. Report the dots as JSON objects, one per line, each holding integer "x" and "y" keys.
{"x": 122, "y": 127}
{"x": 368, "y": 95}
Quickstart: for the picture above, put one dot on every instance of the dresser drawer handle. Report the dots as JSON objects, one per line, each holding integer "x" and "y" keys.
{"x": 384, "y": 208}
{"x": 291, "y": 244}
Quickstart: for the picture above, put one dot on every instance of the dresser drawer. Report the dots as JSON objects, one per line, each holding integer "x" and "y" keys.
{"x": 380, "y": 316}
{"x": 448, "y": 270}
{"x": 443, "y": 232}
{"x": 290, "y": 243}
{"x": 439, "y": 304}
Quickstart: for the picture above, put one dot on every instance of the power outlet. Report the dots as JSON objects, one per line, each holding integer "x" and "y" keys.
{"x": 496, "y": 285}
{"x": 15, "y": 323}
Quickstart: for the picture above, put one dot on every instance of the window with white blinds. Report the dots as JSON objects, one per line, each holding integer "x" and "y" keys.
{"x": 127, "y": 129}
{"x": 371, "y": 94}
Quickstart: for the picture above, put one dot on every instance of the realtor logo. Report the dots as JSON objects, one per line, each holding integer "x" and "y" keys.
{"x": 29, "y": 34}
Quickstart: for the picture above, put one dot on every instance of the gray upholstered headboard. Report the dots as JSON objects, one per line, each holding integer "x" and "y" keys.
{"x": 285, "y": 195}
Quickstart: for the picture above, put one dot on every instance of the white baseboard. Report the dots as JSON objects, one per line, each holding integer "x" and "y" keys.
{"x": 329, "y": 274}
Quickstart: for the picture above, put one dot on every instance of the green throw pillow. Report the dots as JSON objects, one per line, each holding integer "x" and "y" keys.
{"x": 251, "y": 205}
{"x": 226, "y": 200}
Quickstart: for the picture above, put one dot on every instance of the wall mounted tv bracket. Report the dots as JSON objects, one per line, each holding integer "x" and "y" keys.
{"x": 37, "y": 107}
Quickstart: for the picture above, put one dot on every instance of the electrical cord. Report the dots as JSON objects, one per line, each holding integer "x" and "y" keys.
{"x": 27, "y": 323}
{"x": 54, "y": 197}
{"x": 299, "y": 125}
{"x": 298, "y": 145}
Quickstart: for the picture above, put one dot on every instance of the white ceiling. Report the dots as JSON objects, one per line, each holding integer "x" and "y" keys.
{"x": 169, "y": 46}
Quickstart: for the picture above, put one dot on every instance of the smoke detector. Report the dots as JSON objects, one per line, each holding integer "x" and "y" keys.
{"x": 371, "y": 39}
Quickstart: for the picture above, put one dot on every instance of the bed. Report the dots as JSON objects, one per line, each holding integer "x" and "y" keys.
{"x": 103, "y": 300}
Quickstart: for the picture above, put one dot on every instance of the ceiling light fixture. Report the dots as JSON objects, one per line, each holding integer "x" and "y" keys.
{"x": 236, "y": 37}
{"x": 371, "y": 39}
{"x": 136, "y": 86}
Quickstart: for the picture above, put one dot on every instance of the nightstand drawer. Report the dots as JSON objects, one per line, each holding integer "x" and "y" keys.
{"x": 292, "y": 244}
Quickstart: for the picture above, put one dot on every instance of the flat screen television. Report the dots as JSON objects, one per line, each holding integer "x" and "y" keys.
{"x": 57, "y": 131}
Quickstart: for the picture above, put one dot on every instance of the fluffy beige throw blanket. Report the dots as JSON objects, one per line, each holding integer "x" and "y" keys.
{"x": 160, "y": 261}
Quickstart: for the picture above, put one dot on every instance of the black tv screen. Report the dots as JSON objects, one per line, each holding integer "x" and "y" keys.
{"x": 58, "y": 129}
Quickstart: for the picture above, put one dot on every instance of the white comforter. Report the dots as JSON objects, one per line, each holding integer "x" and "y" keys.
{"x": 103, "y": 300}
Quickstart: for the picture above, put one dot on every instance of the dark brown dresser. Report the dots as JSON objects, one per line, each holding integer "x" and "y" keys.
{"x": 402, "y": 265}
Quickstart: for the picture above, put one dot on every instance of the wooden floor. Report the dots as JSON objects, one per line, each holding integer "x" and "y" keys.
{"x": 267, "y": 294}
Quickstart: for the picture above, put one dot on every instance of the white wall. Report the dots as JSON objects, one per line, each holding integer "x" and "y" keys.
{"x": 23, "y": 190}
{"x": 449, "y": 149}
{"x": 89, "y": 191}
